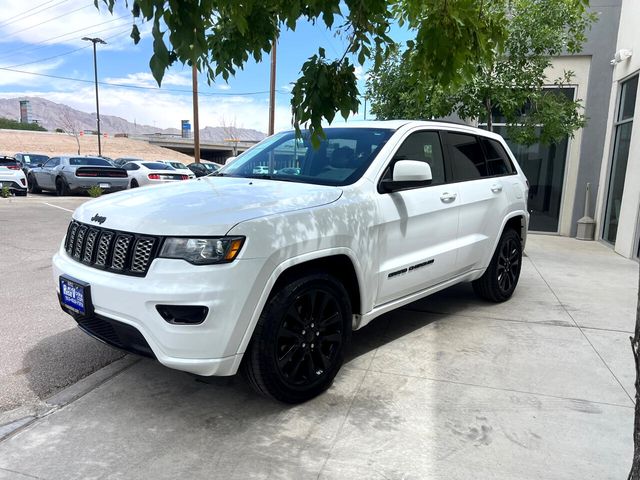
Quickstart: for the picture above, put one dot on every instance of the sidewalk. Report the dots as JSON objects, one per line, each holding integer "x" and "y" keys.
{"x": 449, "y": 387}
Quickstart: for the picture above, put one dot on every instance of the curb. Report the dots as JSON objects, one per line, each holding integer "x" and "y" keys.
{"x": 67, "y": 395}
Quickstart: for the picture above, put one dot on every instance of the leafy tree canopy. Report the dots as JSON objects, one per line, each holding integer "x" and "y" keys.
{"x": 220, "y": 36}
{"x": 16, "y": 125}
{"x": 511, "y": 83}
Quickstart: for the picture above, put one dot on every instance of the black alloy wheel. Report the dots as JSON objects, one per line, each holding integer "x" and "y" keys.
{"x": 508, "y": 268}
{"x": 298, "y": 344}
{"x": 499, "y": 281}
{"x": 134, "y": 183}
{"x": 61, "y": 187}
{"x": 32, "y": 184}
{"x": 310, "y": 337}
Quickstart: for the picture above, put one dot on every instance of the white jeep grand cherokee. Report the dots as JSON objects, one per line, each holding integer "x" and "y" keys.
{"x": 270, "y": 263}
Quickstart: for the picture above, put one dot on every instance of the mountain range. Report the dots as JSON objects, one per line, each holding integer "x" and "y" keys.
{"x": 53, "y": 115}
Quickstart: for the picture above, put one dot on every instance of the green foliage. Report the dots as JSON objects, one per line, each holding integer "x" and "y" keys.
{"x": 220, "y": 36}
{"x": 59, "y": 130}
{"x": 94, "y": 191}
{"x": 16, "y": 125}
{"x": 5, "y": 192}
{"x": 536, "y": 31}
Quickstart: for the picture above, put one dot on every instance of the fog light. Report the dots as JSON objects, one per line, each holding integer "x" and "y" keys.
{"x": 183, "y": 314}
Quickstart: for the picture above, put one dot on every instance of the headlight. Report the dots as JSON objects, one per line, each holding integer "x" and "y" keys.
{"x": 202, "y": 251}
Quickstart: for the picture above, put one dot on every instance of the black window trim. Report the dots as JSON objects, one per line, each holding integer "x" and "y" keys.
{"x": 506, "y": 153}
{"x": 484, "y": 154}
{"x": 392, "y": 161}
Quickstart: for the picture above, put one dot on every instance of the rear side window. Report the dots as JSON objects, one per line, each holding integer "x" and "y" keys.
{"x": 467, "y": 158}
{"x": 97, "y": 162}
{"x": 498, "y": 162}
{"x": 423, "y": 147}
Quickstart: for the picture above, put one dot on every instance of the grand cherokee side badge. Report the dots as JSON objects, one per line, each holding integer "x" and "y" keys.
{"x": 99, "y": 219}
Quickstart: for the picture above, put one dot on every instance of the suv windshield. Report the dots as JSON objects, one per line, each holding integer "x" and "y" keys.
{"x": 342, "y": 158}
{"x": 89, "y": 161}
{"x": 33, "y": 159}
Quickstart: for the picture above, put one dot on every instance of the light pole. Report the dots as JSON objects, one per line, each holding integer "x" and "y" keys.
{"x": 95, "y": 73}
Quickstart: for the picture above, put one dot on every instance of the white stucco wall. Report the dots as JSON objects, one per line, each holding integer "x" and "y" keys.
{"x": 629, "y": 39}
{"x": 579, "y": 65}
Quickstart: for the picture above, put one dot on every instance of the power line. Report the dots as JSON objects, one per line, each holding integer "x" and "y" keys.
{"x": 46, "y": 21}
{"x": 68, "y": 52}
{"x": 14, "y": 19}
{"x": 142, "y": 87}
{"x": 33, "y": 47}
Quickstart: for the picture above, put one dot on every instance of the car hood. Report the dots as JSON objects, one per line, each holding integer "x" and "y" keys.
{"x": 204, "y": 206}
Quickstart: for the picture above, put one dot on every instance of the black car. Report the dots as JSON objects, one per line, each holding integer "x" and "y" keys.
{"x": 30, "y": 160}
{"x": 203, "y": 168}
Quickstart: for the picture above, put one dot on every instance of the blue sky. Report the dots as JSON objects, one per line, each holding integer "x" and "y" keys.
{"x": 44, "y": 37}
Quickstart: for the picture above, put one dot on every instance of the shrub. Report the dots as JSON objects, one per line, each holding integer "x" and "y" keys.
{"x": 95, "y": 191}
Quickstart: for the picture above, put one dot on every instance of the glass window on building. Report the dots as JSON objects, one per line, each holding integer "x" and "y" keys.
{"x": 544, "y": 167}
{"x": 622, "y": 141}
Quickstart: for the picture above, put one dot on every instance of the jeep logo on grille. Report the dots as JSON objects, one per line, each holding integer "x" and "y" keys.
{"x": 97, "y": 218}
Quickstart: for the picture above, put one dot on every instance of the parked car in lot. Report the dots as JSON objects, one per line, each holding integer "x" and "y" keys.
{"x": 203, "y": 169}
{"x": 30, "y": 160}
{"x": 119, "y": 162}
{"x": 71, "y": 174}
{"x": 12, "y": 176}
{"x": 179, "y": 167}
{"x": 270, "y": 272}
{"x": 152, "y": 173}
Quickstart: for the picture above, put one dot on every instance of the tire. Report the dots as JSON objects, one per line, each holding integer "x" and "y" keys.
{"x": 32, "y": 185}
{"x": 61, "y": 187}
{"x": 501, "y": 277}
{"x": 134, "y": 183}
{"x": 21, "y": 193}
{"x": 293, "y": 356}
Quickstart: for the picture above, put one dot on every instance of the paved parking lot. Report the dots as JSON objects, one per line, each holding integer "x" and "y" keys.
{"x": 449, "y": 387}
{"x": 41, "y": 350}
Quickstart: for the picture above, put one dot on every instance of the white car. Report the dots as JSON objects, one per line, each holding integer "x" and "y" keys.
{"x": 179, "y": 167}
{"x": 12, "y": 176}
{"x": 152, "y": 173}
{"x": 271, "y": 272}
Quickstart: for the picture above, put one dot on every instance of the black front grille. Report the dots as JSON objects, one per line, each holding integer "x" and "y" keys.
{"x": 118, "y": 252}
{"x": 117, "y": 334}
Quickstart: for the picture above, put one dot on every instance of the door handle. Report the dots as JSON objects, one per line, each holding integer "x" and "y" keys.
{"x": 448, "y": 197}
{"x": 496, "y": 188}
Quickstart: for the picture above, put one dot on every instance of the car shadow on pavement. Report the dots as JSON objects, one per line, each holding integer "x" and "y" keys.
{"x": 62, "y": 359}
{"x": 65, "y": 358}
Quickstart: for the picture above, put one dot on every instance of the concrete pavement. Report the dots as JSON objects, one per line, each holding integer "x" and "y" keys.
{"x": 449, "y": 387}
{"x": 41, "y": 349}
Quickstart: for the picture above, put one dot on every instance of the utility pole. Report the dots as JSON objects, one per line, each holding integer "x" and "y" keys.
{"x": 95, "y": 74}
{"x": 272, "y": 89}
{"x": 196, "y": 120}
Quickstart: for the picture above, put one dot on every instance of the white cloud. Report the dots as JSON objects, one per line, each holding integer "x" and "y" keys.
{"x": 8, "y": 77}
{"x": 60, "y": 23}
{"x": 223, "y": 86}
{"x": 167, "y": 109}
{"x": 145, "y": 79}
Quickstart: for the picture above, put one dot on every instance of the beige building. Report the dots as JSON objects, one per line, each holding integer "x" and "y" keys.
{"x": 618, "y": 207}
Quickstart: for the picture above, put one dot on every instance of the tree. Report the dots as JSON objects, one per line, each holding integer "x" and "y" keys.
{"x": 17, "y": 125}
{"x": 231, "y": 134}
{"x": 220, "y": 36}
{"x": 512, "y": 82}
{"x": 71, "y": 126}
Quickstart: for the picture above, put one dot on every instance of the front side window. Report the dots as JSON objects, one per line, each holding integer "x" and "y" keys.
{"x": 341, "y": 159}
{"x": 422, "y": 147}
{"x": 54, "y": 162}
{"x": 467, "y": 159}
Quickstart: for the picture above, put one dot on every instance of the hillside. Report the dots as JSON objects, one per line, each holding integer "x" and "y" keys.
{"x": 14, "y": 141}
{"x": 53, "y": 115}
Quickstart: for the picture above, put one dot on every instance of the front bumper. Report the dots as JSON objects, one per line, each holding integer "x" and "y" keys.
{"x": 229, "y": 291}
